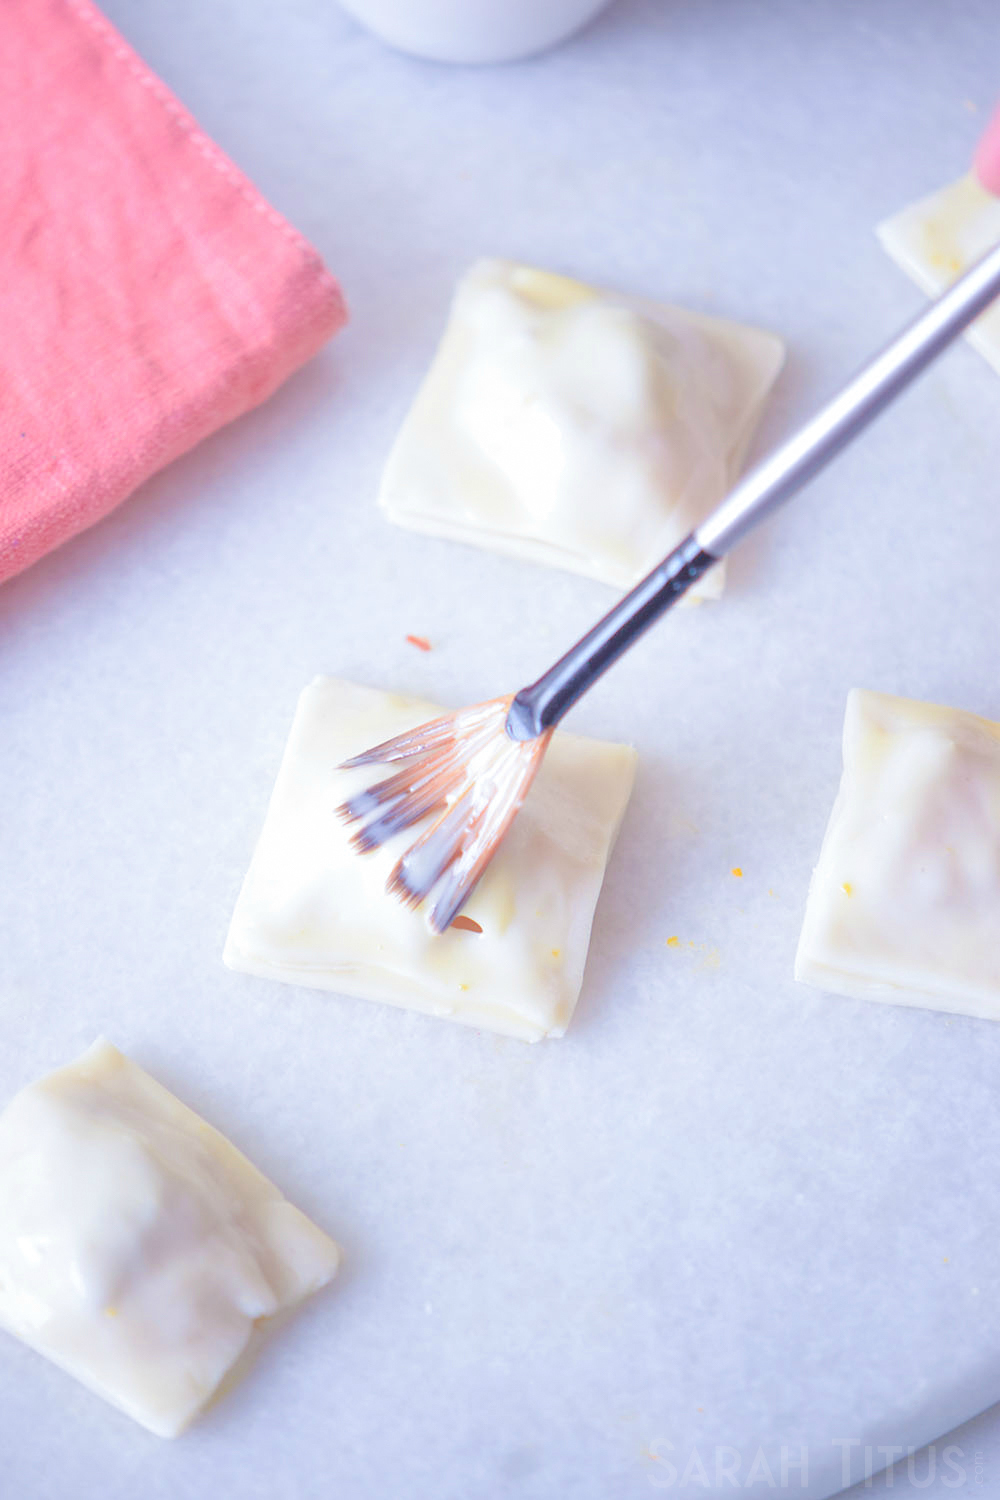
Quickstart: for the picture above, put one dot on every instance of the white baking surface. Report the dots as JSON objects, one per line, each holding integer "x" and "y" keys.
{"x": 726, "y": 1210}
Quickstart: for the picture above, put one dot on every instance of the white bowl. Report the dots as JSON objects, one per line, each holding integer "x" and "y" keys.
{"x": 473, "y": 31}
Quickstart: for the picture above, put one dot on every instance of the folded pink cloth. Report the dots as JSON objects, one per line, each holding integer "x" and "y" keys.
{"x": 148, "y": 293}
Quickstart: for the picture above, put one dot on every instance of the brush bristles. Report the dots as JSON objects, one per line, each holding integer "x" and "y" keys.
{"x": 470, "y": 777}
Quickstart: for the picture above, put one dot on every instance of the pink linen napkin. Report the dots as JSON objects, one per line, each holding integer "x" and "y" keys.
{"x": 148, "y": 293}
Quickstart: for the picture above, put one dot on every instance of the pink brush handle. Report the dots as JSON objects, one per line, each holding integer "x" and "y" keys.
{"x": 988, "y": 156}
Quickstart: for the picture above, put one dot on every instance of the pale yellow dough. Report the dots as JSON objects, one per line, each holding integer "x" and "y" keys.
{"x": 941, "y": 236}
{"x": 138, "y": 1248}
{"x": 570, "y": 426}
{"x": 904, "y": 904}
{"x": 313, "y": 912}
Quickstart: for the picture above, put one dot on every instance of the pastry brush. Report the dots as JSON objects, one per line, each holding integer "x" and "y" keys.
{"x": 469, "y": 772}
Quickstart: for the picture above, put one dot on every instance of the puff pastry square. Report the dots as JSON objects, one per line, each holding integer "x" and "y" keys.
{"x": 937, "y": 239}
{"x": 571, "y": 426}
{"x": 904, "y": 905}
{"x": 138, "y": 1248}
{"x": 315, "y": 913}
